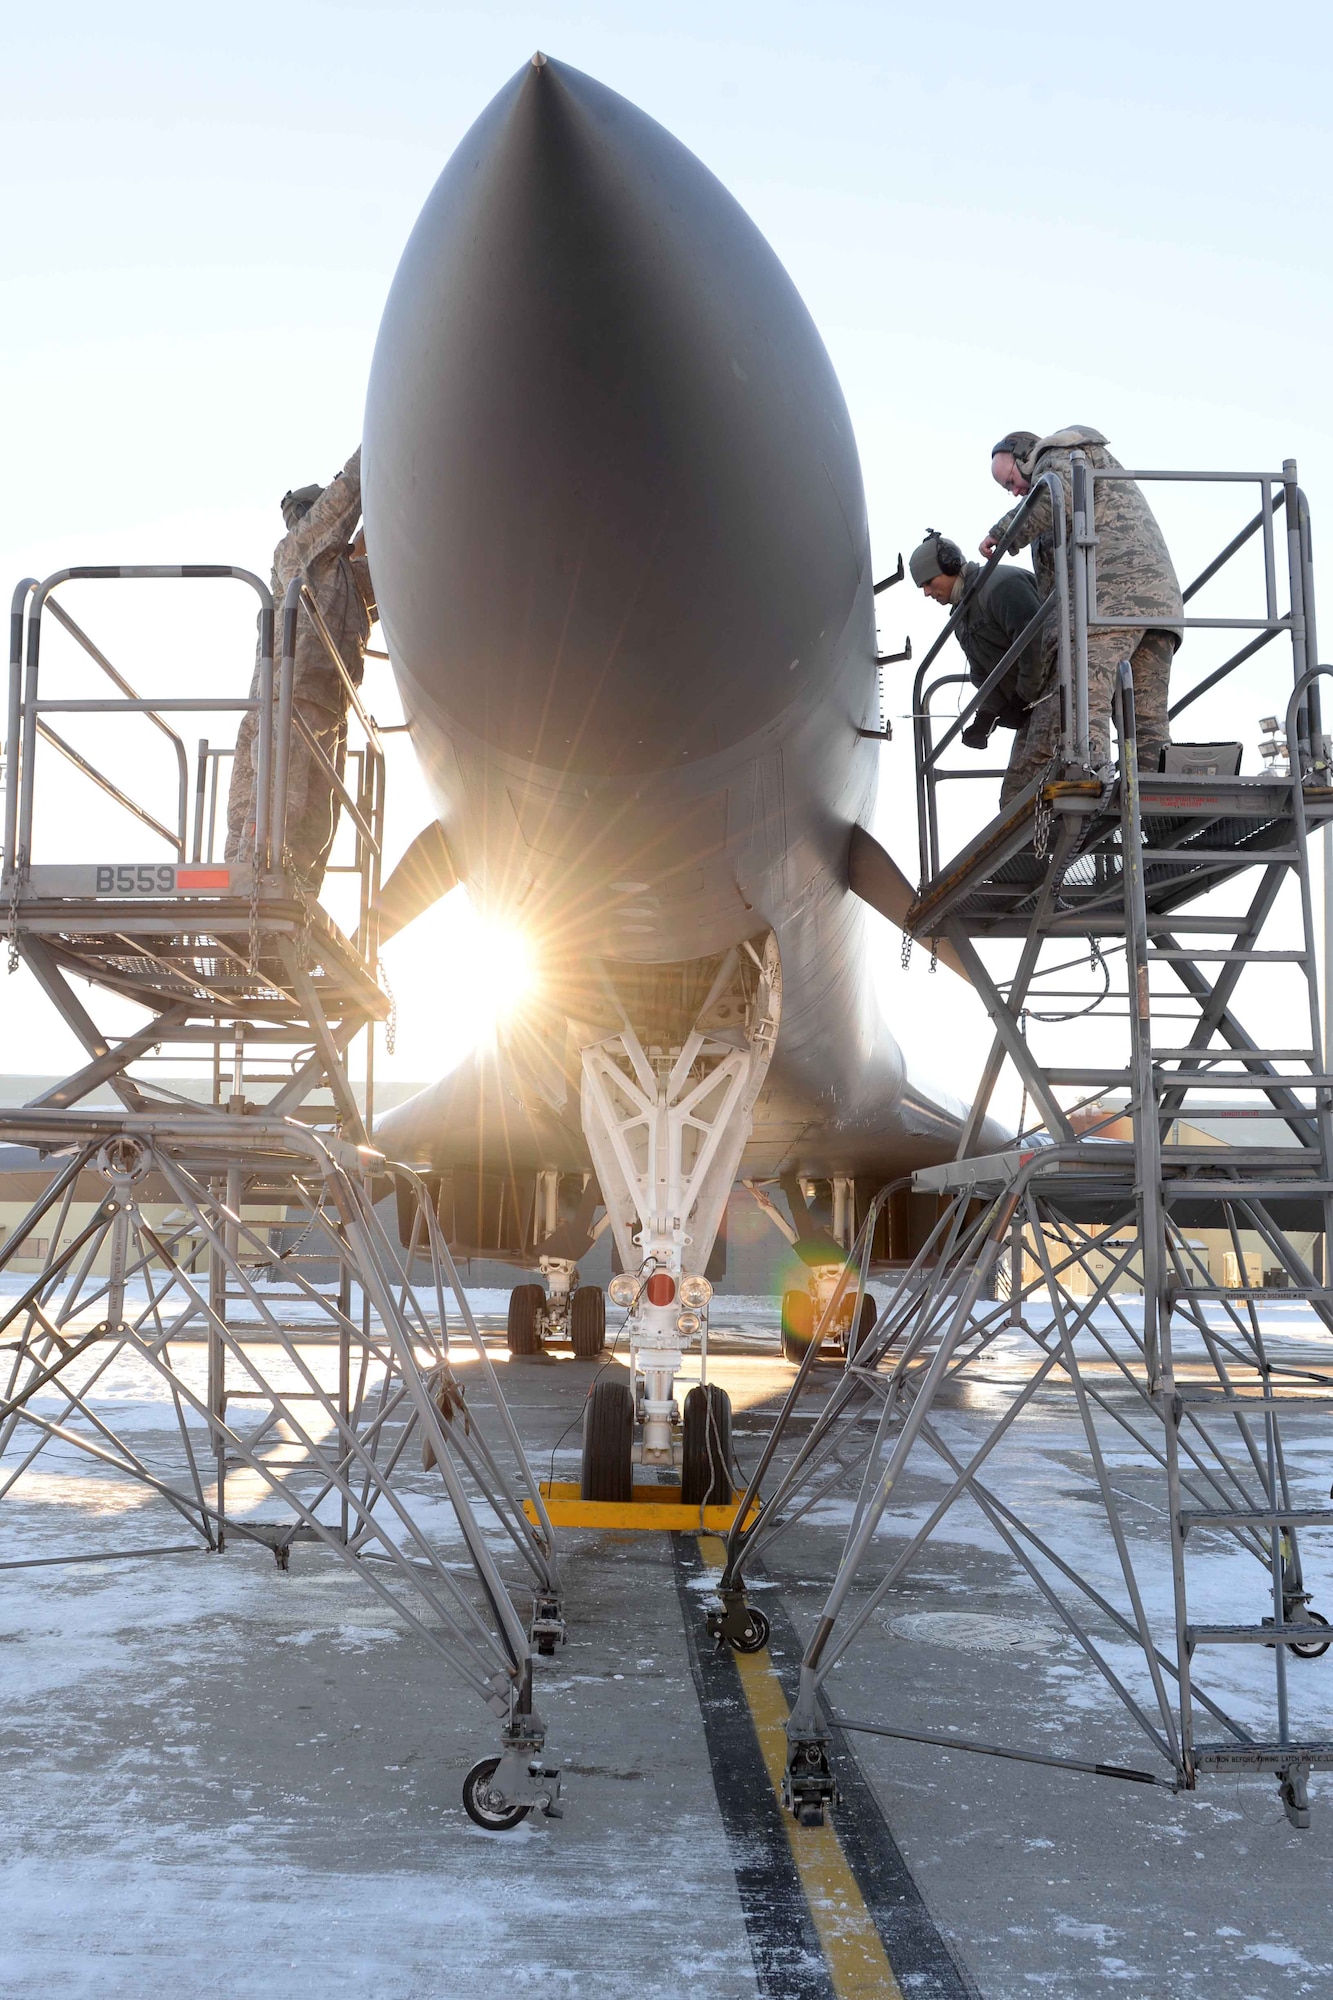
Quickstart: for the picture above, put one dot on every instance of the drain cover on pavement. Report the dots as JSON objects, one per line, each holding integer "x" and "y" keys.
{"x": 975, "y": 1631}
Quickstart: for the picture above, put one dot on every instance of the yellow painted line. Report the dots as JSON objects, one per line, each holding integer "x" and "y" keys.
{"x": 646, "y": 1510}
{"x": 857, "y": 1961}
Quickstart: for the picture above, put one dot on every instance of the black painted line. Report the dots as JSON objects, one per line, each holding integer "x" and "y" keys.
{"x": 784, "y": 1945}
{"x": 922, "y": 1959}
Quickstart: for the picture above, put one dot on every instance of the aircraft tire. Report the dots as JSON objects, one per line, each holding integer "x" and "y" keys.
{"x": 798, "y": 1326}
{"x": 608, "y": 1434}
{"x": 587, "y": 1321}
{"x": 705, "y": 1473}
{"x": 869, "y": 1315}
{"x": 525, "y": 1303}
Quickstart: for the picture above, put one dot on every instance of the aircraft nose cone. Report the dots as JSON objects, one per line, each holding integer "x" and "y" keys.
{"x": 613, "y": 503}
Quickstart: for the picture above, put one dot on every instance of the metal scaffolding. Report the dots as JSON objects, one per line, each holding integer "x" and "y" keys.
{"x": 231, "y": 1252}
{"x": 1142, "y": 919}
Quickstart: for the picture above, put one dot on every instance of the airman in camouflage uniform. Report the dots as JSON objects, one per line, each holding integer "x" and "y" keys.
{"x": 1135, "y": 579}
{"x": 318, "y": 547}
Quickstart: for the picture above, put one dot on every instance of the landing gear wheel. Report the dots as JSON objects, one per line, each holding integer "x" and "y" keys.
{"x": 608, "y": 1435}
{"x": 525, "y": 1305}
{"x": 866, "y": 1325}
{"x": 479, "y": 1802}
{"x": 1313, "y": 1651}
{"x": 705, "y": 1475}
{"x": 756, "y": 1638}
{"x": 587, "y": 1321}
{"x": 798, "y": 1326}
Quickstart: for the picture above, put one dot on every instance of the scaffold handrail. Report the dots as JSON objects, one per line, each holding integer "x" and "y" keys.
{"x": 1076, "y": 611}
{"x": 26, "y": 705}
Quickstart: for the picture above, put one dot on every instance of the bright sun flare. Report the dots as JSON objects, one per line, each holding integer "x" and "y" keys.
{"x": 457, "y": 977}
{"x": 503, "y": 968}
{"x": 494, "y": 965}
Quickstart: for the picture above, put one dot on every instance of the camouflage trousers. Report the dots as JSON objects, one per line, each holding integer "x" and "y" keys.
{"x": 1038, "y": 741}
{"x": 312, "y": 804}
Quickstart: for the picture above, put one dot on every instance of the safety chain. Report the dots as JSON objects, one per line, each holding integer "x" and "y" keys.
{"x": 254, "y": 922}
{"x": 13, "y": 927}
{"x": 1045, "y": 813}
{"x": 391, "y": 1025}
{"x": 907, "y": 935}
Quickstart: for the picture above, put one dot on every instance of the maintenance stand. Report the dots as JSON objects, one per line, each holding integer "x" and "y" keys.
{"x": 231, "y": 1249}
{"x": 1133, "y": 917}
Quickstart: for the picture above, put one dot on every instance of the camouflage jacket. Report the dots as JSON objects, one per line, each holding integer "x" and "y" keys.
{"x": 318, "y": 548}
{"x": 1135, "y": 575}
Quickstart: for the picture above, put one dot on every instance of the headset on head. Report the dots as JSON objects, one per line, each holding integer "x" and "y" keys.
{"x": 947, "y": 554}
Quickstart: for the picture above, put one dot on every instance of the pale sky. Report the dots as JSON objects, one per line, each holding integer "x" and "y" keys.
{"x": 996, "y": 216}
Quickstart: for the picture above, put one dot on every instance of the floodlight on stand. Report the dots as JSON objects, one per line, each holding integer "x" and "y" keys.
{"x": 621, "y": 1289}
{"x": 1273, "y": 746}
{"x": 695, "y": 1291}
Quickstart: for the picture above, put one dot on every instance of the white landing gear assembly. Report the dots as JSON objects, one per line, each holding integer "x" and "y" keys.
{"x": 666, "y": 1128}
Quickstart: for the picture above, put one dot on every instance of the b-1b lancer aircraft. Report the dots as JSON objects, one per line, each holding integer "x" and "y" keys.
{"x": 615, "y": 517}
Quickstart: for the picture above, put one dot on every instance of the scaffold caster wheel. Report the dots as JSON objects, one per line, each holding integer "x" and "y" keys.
{"x": 755, "y": 1637}
{"x": 1314, "y": 1650}
{"x": 481, "y": 1805}
{"x": 1295, "y": 1798}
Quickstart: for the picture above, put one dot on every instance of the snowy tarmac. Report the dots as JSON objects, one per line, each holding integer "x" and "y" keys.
{"x": 224, "y": 1778}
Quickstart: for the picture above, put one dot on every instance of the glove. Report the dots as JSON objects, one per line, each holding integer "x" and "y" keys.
{"x": 977, "y": 734}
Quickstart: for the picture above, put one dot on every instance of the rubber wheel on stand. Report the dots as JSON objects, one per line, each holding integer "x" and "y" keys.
{"x": 587, "y": 1321}
{"x": 477, "y": 1795}
{"x": 1313, "y": 1650}
{"x": 798, "y": 1326}
{"x": 608, "y": 1436}
{"x": 525, "y": 1305}
{"x": 705, "y": 1473}
{"x": 756, "y": 1637}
